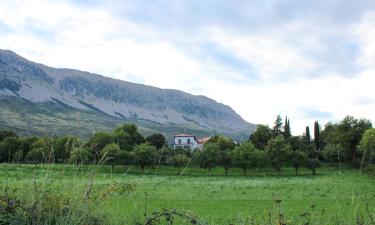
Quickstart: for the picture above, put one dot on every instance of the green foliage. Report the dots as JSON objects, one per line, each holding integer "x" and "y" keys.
{"x": 179, "y": 161}
{"x": 277, "y": 128}
{"x": 6, "y": 133}
{"x": 298, "y": 159}
{"x": 287, "y": 130}
{"x": 313, "y": 164}
{"x": 209, "y": 157}
{"x": 278, "y": 152}
{"x": 63, "y": 146}
{"x": 127, "y": 136}
{"x": 111, "y": 152}
{"x": 367, "y": 147}
{"x": 261, "y": 136}
{"x": 317, "y": 136}
{"x": 145, "y": 155}
{"x": 307, "y": 135}
{"x": 245, "y": 156}
{"x": 98, "y": 141}
{"x": 79, "y": 155}
{"x": 157, "y": 140}
{"x": 8, "y": 147}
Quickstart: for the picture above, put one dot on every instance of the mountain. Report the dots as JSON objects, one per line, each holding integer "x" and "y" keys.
{"x": 39, "y": 100}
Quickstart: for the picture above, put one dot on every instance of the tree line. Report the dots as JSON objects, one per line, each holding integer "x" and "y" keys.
{"x": 348, "y": 141}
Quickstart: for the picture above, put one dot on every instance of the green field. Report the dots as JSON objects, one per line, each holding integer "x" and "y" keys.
{"x": 330, "y": 197}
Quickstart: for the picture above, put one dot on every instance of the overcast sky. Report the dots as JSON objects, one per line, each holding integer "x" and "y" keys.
{"x": 309, "y": 60}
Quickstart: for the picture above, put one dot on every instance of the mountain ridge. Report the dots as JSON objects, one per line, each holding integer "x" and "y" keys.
{"x": 151, "y": 108}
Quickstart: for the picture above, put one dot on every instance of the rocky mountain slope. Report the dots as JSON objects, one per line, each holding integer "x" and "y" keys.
{"x": 37, "y": 99}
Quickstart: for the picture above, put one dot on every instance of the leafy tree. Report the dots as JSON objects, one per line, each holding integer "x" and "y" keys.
{"x": 277, "y": 128}
{"x": 157, "y": 140}
{"x": 225, "y": 146}
{"x": 313, "y": 164}
{"x": 98, "y": 141}
{"x": 287, "y": 131}
{"x": 63, "y": 146}
{"x": 179, "y": 161}
{"x": 8, "y": 147}
{"x": 367, "y": 147}
{"x": 298, "y": 159}
{"x": 209, "y": 157}
{"x": 111, "y": 152}
{"x": 278, "y": 152}
{"x": 317, "y": 135}
{"x": 261, "y": 136}
{"x": 24, "y": 146}
{"x": 145, "y": 155}
{"x": 79, "y": 154}
{"x": 6, "y": 133}
{"x": 127, "y": 136}
{"x": 333, "y": 153}
{"x": 40, "y": 151}
{"x": 245, "y": 156}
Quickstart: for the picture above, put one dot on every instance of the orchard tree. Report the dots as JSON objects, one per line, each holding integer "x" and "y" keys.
{"x": 278, "y": 152}
{"x": 179, "y": 161}
{"x": 298, "y": 159}
{"x": 209, "y": 157}
{"x": 245, "y": 156}
{"x": 313, "y": 164}
{"x": 261, "y": 136}
{"x": 145, "y": 155}
{"x": 112, "y": 153}
{"x": 225, "y": 147}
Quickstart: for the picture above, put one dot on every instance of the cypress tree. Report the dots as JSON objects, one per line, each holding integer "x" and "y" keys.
{"x": 287, "y": 132}
{"x": 317, "y": 135}
{"x": 277, "y": 128}
{"x": 307, "y": 135}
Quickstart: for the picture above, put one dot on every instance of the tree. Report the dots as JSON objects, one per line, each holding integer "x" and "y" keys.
{"x": 157, "y": 140}
{"x": 333, "y": 153}
{"x": 261, "y": 136}
{"x": 287, "y": 131}
{"x": 298, "y": 159}
{"x": 6, "y": 133}
{"x": 63, "y": 146}
{"x": 98, "y": 141}
{"x": 79, "y": 154}
{"x": 127, "y": 136}
{"x": 24, "y": 146}
{"x": 367, "y": 147}
{"x": 245, "y": 156}
{"x": 111, "y": 152}
{"x": 40, "y": 151}
{"x": 277, "y": 128}
{"x": 179, "y": 161}
{"x": 317, "y": 135}
{"x": 209, "y": 157}
{"x": 144, "y": 155}
{"x": 307, "y": 135}
{"x": 8, "y": 147}
{"x": 313, "y": 164}
{"x": 225, "y": 146}
{"x": 278, "y": 152}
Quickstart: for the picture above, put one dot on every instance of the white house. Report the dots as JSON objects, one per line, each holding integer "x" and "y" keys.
{"x": 188, "y": 141}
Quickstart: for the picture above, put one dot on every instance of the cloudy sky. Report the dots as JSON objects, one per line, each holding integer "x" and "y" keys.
{"x": 310, "y": 60}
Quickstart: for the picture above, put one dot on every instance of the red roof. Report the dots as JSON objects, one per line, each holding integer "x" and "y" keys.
{"x": 184, "y": 135}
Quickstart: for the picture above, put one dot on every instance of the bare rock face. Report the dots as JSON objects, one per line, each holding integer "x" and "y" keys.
{"x": 50, "y": 99}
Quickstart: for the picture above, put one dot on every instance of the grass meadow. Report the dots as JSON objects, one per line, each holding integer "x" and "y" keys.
{"x": 126, "y": 196}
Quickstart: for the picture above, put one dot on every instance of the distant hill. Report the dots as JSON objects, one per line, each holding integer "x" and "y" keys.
{"x": 39, "y": 100}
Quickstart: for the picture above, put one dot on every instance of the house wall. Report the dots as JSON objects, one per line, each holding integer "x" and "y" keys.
{"x": 185, "y": 142}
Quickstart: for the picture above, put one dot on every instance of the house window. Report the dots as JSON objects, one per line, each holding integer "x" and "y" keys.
{"x": 188, "y": 141}
{"x": 179, "y": 141}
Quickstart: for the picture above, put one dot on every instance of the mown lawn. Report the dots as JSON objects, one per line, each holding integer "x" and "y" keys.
{"x": 328, "y": 197}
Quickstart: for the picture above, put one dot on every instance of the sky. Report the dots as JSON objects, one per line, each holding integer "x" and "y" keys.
{"x": 308, "y": 60}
